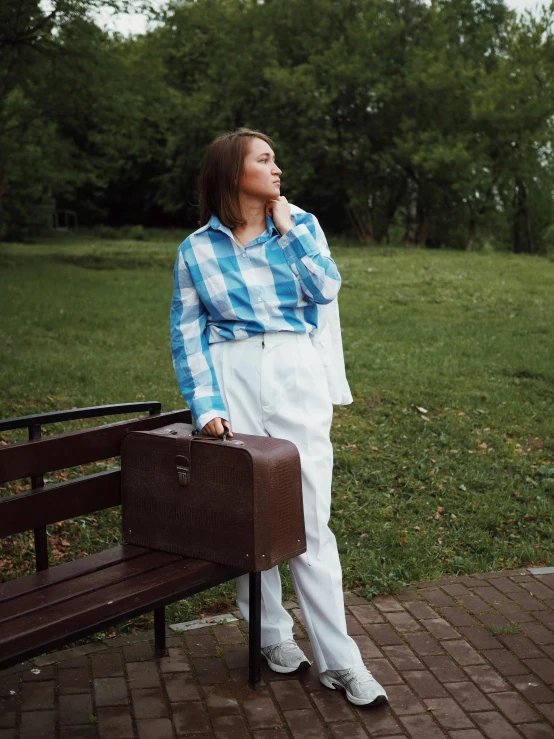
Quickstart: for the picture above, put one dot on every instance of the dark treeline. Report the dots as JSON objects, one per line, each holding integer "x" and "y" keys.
{"x": 392, "y": 119}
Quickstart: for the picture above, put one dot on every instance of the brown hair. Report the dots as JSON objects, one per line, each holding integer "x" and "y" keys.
{"x": 220, "y": 176}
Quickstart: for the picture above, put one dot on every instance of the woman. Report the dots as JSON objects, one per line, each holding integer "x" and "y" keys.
{"x": 249, "y": 288}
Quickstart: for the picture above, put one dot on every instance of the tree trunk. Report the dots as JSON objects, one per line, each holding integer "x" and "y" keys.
{"x": 424, "y": 225}
{"x": 411, "y": 213}
{"x": 363, "y": 224}
{"x": 471, "y": 234}
{"x": 2, "y": 192}
{"x": 522, "y": 238}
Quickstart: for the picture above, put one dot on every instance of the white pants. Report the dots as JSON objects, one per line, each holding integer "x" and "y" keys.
{"x": 280, "y": 390}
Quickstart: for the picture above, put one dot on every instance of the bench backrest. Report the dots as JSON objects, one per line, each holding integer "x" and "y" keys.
{"x": 45, "y": 505}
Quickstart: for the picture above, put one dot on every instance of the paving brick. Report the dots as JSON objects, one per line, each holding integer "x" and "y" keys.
{"x": 547, "y": 709}
{"x": 423, "y": 644}
{"x": 201, "y": 645}
{"x": 382, "y": 634}
{"x": 387, "y": 603}
{"x": 448, "y": 713}
{"x": 261, "y": 713}
{"x": 81, "y": 731}
{"x": 458, "y": 616}
{"x": 505, "y": 663}
{"x": 106, "y": 665}
{"x": 8, "y": 710}
{"x": 456, "y": 589}
{"x": 273, "y": 734}
{"x": 37, "y": 725}
{"x": 347, "y": 731}
{"x": 544, "y": 668}
{"x": 480, "y": 637}
{"x": 115, "y": 723}
{"x": 210, "y": 670}
{"x": 44, "y": 673}
{"x": 444, "y": 668}
{"x": 469, "y": 696}
{"x": 462, "y": 652}
{"x": 384, "y": 672}
{"x": 155, "y": 728}
{"x": 421, "y": 610}
{"x": 228, "y": 634}
{"x": 422, "y": 726}
{"x": 403, "y": 700}
{"x": 466, "y": 734}
{"x": 487, "y": 679}
{"x": 473, "y": 603}
{"x": 75, "y": 680}
{"x": 408, "y": 594}
{"x": 290, "y": 696}
{"x": 403, "y": 658}
{"x": 78, "y": 661}
{"x": 514, "y": 707}
{"x": 175, "y": 661}
{"x": 367, "y": 614}
{"x": 367, "y": 648}
{"x": 493, "y": 619}
{"x": 37, "y": 696}
{"x": 75, "y": 708}
{"x": 424, "y": 684}
{"x": 138, "y": 651}
{"x": 305, "y": 724}
{"x": 494, "y": 725}
{"x": 190, "y": 717}
{"x": 143, "y": 675}
{"x": 527, "y": 602}
{"x": 440, "y": 628}
{"x": 333, "y": 706}
{"x": 548, "y": 649}
{"x": 180, "y": 688}
{"x": 403, "y": 622}
{"x": 546, "y": 618}
{"x": 505, "y": 585}
{"x": 110, "y": 691}
{"x": 533, "y": 689}
{"x": 436, "y": 597}
{"x": 351, "y": 599}
{"x": 353, "y": 626}
{"x": 148, "y": 703}
{"x": 491, "y": 595}
{"x": 379, "y": 721}
{"x": 514, "y": 613}
{"x": 538, "y": 633}
{"x": 521, "y": 646}
{"x": 537, "y": 731}
{"x": 220, "y": 702}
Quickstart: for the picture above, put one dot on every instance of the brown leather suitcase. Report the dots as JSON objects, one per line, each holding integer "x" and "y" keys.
{"x": 236, "y": 501}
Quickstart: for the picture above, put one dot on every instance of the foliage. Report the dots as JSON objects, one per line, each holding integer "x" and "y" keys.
{"x": 392, "y": 119}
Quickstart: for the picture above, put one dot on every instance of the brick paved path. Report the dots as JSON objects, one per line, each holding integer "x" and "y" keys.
{"x": 465, "y": 658}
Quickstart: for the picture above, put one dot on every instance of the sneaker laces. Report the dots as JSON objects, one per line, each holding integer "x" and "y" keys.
{"x": 287, "y": 652}
{"x": 361, "y": 677}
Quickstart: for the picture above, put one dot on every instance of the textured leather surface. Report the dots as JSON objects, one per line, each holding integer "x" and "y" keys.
{"x": 241, "y": 506}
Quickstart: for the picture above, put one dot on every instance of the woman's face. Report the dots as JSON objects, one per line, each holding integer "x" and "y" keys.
{"x": 260, "y": 174}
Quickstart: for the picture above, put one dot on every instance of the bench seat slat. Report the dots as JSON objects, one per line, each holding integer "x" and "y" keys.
{"x": 89, "y": 583}
{"x": 51, "y": 626}
{"x": 32, "y": 458}
{"x": 68, "y": 570}
{"x": 40, "y": 507}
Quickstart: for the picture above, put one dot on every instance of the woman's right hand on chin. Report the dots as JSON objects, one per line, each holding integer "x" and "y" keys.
{"x": 215, "y": 427}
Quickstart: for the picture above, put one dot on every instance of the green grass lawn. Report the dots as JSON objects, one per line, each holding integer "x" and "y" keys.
{"x": 443, "y": 464}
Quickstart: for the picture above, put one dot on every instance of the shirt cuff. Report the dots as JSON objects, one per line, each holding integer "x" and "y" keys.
{"x": 205, "y": 409}
{"x": 300, "y": 241}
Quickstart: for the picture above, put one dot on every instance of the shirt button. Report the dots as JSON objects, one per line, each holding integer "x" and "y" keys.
{"x": 259, "y": 300}
{"x": 243, "y": 253}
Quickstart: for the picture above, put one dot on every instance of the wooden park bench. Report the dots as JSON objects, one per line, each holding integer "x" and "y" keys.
{"x": 53, "y": 607}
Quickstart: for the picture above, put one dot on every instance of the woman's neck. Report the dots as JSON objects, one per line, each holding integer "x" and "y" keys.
{"x": 253, "y": 212}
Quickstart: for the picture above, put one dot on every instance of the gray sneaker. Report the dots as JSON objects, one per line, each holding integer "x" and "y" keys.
{"x": 286, "y": 657}
{"x": 360, "y": 686}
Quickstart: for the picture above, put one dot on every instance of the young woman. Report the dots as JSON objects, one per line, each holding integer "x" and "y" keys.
{"x": 249, "y": 288}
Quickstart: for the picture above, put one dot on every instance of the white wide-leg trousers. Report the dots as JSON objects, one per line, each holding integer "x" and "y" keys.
{"x": 274, "y": 384}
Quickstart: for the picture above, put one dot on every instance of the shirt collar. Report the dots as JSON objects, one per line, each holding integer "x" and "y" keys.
{"x": 216, "y": 224}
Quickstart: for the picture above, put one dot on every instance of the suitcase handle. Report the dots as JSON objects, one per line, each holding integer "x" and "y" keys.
{"x": 223, "y": 437}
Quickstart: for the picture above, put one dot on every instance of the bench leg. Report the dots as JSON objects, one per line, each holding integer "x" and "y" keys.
{"x": 255, "y": 630}
{"x": 159, "y": 631}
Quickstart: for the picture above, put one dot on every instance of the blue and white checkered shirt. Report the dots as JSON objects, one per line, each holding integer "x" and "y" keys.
{"x": 223, "y": 291}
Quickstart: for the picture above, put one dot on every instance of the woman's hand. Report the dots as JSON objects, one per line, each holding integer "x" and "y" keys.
{"x": 215, "y": 427}
{"x": 279, "y": 210}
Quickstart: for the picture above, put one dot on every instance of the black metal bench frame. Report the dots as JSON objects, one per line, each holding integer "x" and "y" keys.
{"x": 178, "y": 576}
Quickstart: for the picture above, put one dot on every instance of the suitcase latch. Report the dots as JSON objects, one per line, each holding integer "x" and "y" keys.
{"x": 183, "y": 470}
